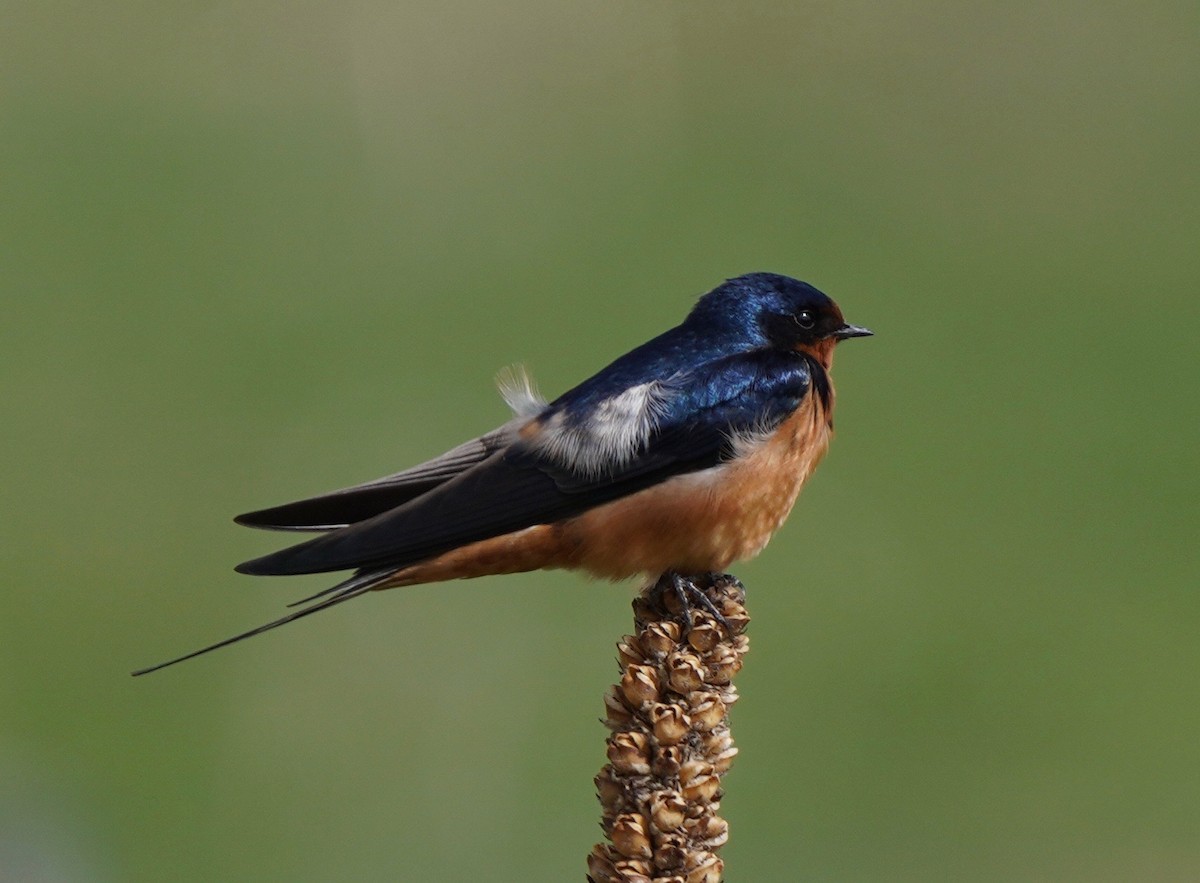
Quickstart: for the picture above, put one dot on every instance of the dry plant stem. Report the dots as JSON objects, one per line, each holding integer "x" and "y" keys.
{"x": 670, "y": 744}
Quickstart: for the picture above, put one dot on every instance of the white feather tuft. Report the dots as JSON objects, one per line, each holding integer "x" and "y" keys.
{"x": 519, "y": 391}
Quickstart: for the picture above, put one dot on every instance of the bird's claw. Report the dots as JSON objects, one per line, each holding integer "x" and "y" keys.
{"x": 690, "y": 596}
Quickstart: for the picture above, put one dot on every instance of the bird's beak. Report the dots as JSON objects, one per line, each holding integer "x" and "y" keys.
{"x": 852, "y": 331}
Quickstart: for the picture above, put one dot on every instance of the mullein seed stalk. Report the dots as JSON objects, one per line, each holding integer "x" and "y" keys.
{"x": 670, "y": 743}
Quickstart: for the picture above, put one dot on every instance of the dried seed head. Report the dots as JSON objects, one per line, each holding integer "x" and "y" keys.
{"x": 670, "y": 723}
{"x": 671, "y": 742}
{"x": 628, "y": 752}
{"x": 629, "y": 836}
{"x": 639, "y": 684}
{"x": 685, "y": 672}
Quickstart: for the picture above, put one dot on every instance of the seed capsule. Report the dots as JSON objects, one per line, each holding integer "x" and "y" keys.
{"x": 723, "y": 663}
{"x": 667, "y": 810}
{"x": 707, "y": 711}
{"x": 629, "y": 836}
{"x": 699, "y": 781}
{"x": 629, "y": 753}
{"x": 705, "y": 634}
{"x": 634, "y": 871}
{"x": 660, "y": 792}
{"x": 639, "y": 685}
{"x": 660, "y": 638}
{"x": 670, "y": 723}
{"x": 629, "y": 652}
{"x": 711, "y": 830}
{"x": 601, "y": 868}
{"x": 685, "y": 672}
{"x": 723, "y": 761}
{"x": 609, "y": 788}
{"x": 667, "y": 761}
{"x": 707, "y": 869}
{"x": 616, "y": 714}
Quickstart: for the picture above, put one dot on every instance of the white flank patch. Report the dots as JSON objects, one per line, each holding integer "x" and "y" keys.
{"x": 747, "y": 441}
{"x": 519, "y": 391}
{"x": 613, "y": 435}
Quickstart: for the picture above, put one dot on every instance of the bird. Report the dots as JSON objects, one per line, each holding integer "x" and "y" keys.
{"x": 683, "y": 456}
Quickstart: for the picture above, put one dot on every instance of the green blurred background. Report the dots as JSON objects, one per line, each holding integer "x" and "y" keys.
{"x": 254, "y": 251}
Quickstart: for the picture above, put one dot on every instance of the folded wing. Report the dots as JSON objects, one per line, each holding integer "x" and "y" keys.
{"x": 354, "y": 504}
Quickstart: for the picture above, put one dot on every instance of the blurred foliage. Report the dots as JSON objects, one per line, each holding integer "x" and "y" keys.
{"x": 256, "y": 251}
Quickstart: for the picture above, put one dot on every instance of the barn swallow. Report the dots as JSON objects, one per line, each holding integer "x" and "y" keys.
{"x": 682, "y": 456}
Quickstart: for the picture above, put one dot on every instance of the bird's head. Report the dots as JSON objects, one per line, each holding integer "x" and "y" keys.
{"x": 777, "y": 311}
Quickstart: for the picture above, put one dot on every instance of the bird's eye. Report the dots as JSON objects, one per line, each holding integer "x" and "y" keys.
{"x": 806, "y": 320}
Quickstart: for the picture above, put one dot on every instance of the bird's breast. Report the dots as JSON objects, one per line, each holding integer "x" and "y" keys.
{"x": 705, "y": 520}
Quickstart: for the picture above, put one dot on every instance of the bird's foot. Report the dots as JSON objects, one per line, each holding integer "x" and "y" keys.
{"x": 690, "y": 596}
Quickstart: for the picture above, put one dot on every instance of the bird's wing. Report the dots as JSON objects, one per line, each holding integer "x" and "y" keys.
{"x": 540, "y": 478}
{"x": 354, "y": 504}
